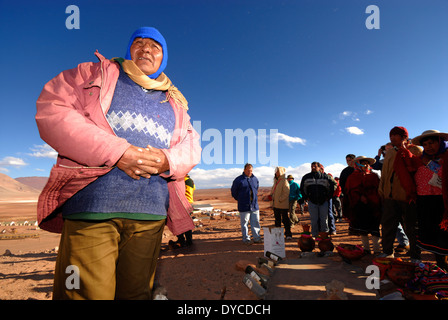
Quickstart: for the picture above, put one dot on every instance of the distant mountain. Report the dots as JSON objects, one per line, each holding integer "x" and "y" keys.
{"x": 11, "y": 189}
{"x": 34, "y": 182}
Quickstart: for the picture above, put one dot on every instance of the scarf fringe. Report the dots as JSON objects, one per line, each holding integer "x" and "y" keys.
{"x": 177, "y": 96}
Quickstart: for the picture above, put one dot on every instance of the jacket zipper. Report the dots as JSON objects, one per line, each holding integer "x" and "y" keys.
{"x": 103, "y": 112}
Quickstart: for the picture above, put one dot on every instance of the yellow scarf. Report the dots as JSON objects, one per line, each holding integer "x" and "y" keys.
{"x": 162, "y": 83}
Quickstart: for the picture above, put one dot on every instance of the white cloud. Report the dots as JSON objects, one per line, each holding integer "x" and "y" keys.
{"x": 43, "y": 151}
{"x": 290, "y": 140}
{"x": 368, "y": 112}
{"x": 11, "y": 162}
{"x": 353, "y": 116}
{"x": 354, "y": 130}
{"x": 345, "y": 114}
{"x": 335, "y": 169}
{"x": 223, "y": 178}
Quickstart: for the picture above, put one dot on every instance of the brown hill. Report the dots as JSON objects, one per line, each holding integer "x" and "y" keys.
{"x": 34, "y": 182}
{"x": 11, "y": 189}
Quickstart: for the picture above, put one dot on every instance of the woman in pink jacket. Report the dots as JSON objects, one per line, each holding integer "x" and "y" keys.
{"x": 125, "y": 143}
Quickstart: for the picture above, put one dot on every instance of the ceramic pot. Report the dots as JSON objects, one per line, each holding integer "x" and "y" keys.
{"x": 306, "y": 243}
{"x": 325, "y": 244}
{"x": 306, "y": 228}
{"x": 349, "y": 251}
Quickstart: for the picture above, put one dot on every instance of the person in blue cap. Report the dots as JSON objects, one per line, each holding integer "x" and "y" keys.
{"x": 159, "y": 53}
{"x": 125, "y": 144}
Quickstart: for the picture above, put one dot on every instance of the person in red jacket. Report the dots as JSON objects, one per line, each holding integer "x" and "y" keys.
{"x": 337, "y": 207}
{"x": 363, "y": 203}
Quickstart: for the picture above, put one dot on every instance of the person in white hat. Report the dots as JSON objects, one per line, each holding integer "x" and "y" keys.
{"x": 430, "y": 134}
{"x": 432, "y": 195}
{"x": 363, "y": 206}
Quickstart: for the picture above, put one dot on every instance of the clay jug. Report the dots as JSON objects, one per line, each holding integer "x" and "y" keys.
{"x": 306, "y": 228}
{"x": 306, "y": 241}
{"x": 325, "y": 244}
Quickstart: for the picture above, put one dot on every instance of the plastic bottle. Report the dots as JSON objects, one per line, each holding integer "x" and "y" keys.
{"x": 254, "y": 286}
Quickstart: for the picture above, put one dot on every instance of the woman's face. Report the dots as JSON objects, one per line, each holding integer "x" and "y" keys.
{"x": 431, "y": 145}
{"x": 366, "y": 165}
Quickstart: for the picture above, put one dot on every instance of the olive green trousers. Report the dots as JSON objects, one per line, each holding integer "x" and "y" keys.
{"x": 107, "y": 259}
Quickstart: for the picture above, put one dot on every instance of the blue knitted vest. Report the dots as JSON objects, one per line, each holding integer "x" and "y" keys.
{"x": 137, "y": 115}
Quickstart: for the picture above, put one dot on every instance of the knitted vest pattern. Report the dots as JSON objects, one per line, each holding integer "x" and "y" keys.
{"x": 137, "y": 115}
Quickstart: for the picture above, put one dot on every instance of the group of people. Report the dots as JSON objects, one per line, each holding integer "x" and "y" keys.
{"x": 317, "y": 189}
{"x": 285, "y": 195}
{"x": 412, "y": 192}
{"x": 408, "y": 200}
{"x": 125, "y": 144}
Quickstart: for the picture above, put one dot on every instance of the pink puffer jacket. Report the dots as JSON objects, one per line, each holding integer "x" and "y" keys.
{"x": 71, "y": 118}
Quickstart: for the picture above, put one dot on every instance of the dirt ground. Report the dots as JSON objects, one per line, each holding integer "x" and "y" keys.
{"x": 211, "y": 269}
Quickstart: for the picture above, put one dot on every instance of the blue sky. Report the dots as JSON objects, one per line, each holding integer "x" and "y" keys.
{"x": 309, "y": 70}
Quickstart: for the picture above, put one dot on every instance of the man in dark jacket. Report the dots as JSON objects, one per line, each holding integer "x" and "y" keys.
{"x": 318, "y": 187}
{"x": 245, "y": 191}
{"x": 347, "y": 171}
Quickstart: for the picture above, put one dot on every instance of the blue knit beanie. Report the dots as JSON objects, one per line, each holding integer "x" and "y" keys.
{"x": 152, "y": 33}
